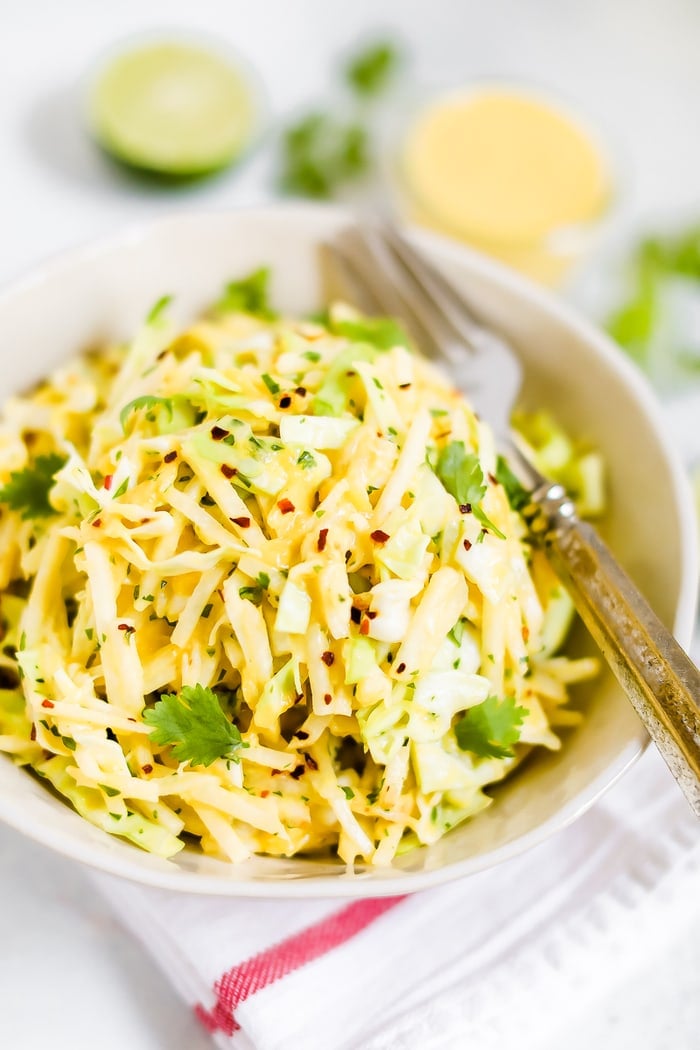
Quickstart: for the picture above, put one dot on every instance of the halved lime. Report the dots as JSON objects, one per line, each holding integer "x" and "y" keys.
{"x": 173, "y": 109}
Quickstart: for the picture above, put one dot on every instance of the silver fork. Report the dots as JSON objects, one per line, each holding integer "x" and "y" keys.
{"x": 387, "y": 275}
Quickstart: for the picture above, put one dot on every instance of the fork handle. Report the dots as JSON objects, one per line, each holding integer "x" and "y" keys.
{"x": 661, "y": 681}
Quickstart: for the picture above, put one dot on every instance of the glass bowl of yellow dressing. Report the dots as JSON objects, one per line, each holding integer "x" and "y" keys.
{"x": 508, "y": 170}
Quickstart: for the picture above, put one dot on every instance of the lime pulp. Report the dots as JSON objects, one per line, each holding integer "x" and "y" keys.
{"x": 173, "y": 109}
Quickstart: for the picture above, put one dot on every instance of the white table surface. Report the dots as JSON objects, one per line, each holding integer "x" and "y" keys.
{"x": 69, "y": 976}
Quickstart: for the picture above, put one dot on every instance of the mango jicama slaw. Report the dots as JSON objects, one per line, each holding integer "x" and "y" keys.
{"x": 265, "y": 588}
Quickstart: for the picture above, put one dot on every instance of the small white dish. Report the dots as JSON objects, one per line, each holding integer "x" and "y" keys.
{"x": 102, "y": 292}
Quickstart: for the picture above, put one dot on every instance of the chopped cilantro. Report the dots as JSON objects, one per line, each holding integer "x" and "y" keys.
{"x": 456, "y": 634}
{"x": 490, "y": 729}
{"x": 28, "y": 490}
{"x": 269, "y": 382}
{"x": 348, "y": 792}
{"x": 109, "y": 791}
{"x": 122, "y": 489}
{"x": 193, "y": 723}
{"x": 251, "y": 594}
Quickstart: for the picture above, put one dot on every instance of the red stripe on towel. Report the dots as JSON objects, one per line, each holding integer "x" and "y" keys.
{"x": 268, "y": 966}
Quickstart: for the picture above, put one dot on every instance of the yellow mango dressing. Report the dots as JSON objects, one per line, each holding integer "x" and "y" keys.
{"x": 508, "y": 172}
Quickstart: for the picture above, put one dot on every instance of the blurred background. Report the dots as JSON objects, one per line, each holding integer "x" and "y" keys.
{"x": 306, "y": 97}
{"x": 624, "y": 75}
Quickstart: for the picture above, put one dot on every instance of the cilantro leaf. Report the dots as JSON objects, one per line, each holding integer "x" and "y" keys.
{"x": 248, "y": 295}
{"x": 461, "y": 474}
{"x": 320, "y": 153}
{"x": 489, "y": 729}
{"x": 147, "y": 401}
{"x": 518, "y": 496}
{"x": 369, "y": 72}
{"x": 28, "y": 490}
{"x": 194, "y": 725}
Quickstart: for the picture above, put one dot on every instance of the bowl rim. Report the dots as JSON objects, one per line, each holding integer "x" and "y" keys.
{"x": 384, "y": 882}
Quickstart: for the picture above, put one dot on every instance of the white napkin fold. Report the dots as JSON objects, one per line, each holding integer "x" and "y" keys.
{"x": 480, "y": 962}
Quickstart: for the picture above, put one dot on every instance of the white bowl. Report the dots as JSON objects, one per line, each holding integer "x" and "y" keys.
{"x": 102, "y": 292}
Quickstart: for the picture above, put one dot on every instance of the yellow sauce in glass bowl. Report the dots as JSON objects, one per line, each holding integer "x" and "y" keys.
{"x": 509, "y": 172}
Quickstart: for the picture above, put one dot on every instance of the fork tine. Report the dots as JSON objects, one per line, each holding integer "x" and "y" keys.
{"x": 402, "y": 283}
{"x": 434, "y": 286}
{"x": 365, "y": 274}
{"x": 373, "y": 264}
{"x": 341, "y": 280}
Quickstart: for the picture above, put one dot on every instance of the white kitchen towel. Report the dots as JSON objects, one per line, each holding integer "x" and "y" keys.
{"x": 542, "y": 933}
{"x": 496, "y": 960}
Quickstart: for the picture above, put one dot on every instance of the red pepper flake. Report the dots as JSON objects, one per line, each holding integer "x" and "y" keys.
{"x": 285, "y": 401}
{"x": 286, "y": 506}
{"x": 301, "y": 391}
{"x": 404, "y": 386}
{"x": 364, "y": 627}
{"x": 492, "y": 479}
{"x": 350, "y": 373}
{"x": 328, "y": 658}
{"x": 465, "y": 508}
{"x": 379, "y": 536}
{"x": 467, "y": 545}
{"x": 32, "y": 733}
{"x": 145, "y": 521}
{"x": 148, "y": 768}
{"x": 243, "y": 523}
{"x": 526, "y": 633}
{"x": 46, "y": 703}
{"x": 355, "y": 614}
{"x": 321, "y": 542}
{"x": 275, "y": 772}
{"x": 218, "y": 433}
{"x": 401, "y": 668}
{"x": 264, "y": 794}
{"x": 371, "y": 614}
{"x": 227, "y": 471}
{"x": 109, "y": 478}
{"x": 170, "y": 456}
{"x": 310, "y": 761}
{"x": 328, "y": 699}
{"x": 96, "y": 523}
{"x": 296, "y": 773}
{"x": 126, "y": 627}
